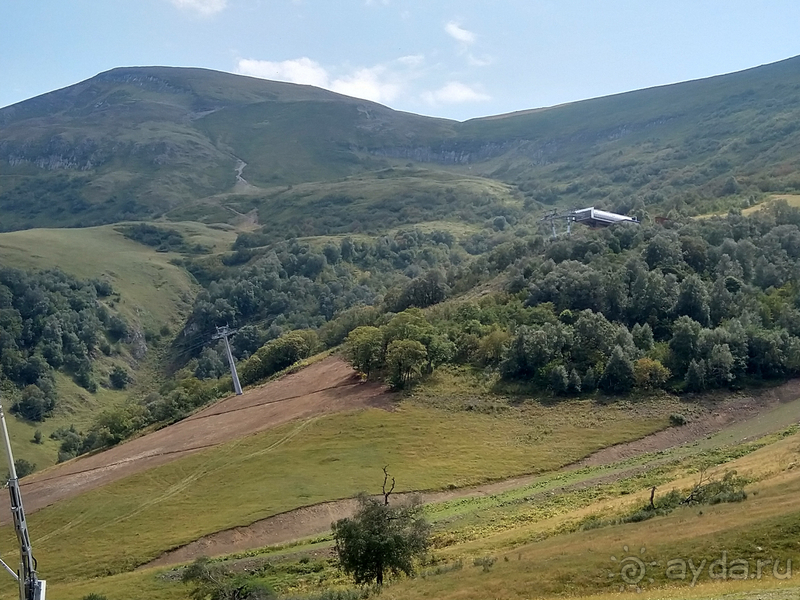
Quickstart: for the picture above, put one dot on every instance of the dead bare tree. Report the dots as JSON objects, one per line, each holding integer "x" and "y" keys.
{"x": 697, "y": 489}
{"x": 385, "y": 481}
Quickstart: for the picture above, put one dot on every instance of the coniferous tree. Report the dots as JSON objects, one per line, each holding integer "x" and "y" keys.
{"x": 559, "y": 380}
{"x": 696, "y": 376}
{"x": 574, "y": 385}
{"x": 618, "y": 376}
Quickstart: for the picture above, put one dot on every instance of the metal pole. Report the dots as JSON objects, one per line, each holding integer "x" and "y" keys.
{"x": 237, "y": 387}
{"x": 9, "y": 569}
{"x": 223, "y": 333}
{"x": 30, "y": 586}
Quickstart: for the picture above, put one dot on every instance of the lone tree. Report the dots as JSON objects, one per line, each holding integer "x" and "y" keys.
{"x": 380, "y": 538}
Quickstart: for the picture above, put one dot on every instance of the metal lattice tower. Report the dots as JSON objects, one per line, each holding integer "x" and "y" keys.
{"x": 30, "y": 586}
{"x": 224, "y": 333}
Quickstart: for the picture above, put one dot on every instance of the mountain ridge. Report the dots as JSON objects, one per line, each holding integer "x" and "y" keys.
{"x": 139, "y": 142}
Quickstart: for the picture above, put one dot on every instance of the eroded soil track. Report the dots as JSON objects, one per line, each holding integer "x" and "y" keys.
{"x": 716, "y": 415}
{"x": 325, "y": 387}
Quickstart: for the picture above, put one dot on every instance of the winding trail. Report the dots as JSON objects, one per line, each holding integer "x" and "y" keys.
{"x": 315, "y": 520}
{"x": 240, "y": 165}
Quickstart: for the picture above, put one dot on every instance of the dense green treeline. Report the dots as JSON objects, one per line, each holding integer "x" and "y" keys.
{"x": 294, "y": 285}
{"x": 163, "y": 239}
{"x": 685, "y": 307}
{"x": 50, "y": 321}
{"x": 704, "y": 304}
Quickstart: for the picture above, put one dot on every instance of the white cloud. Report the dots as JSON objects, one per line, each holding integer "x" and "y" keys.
{"x": 454, "y": 92}
{"x": 458, "y": 33}
{"x": 478, "y": 61}
{"x": 379, "y": 83}
{"x": 412, "y": 60}
{"x": 204, "y": 7}
{"x": 370, "y": 84}
{"x": 301, "y": 70}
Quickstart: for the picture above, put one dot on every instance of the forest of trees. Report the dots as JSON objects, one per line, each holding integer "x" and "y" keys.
{"x": 695, "y": 305}
{"x": 686, "y": 306}
{"x": 711, "y": 303}
{"x": 295, "y": 286}
{"x": 50, "y": 321}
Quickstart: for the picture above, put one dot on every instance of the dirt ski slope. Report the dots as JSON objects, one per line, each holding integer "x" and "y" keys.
{"x": 324, "y": 387}
{"x": 745, "y": 416}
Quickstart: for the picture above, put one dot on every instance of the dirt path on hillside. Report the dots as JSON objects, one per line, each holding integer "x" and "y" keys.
{"x": 325, "y": 387}
{"x": 717, "y": 414}
{"x": 316, "y": 520}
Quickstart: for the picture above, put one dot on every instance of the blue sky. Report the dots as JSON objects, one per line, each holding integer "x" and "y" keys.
{"x": 445, "y": 58}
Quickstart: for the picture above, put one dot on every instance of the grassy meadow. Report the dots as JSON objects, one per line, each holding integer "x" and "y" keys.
{"x": 314, "y": 461}
{"x": 374, "y": 202}
{"x": 321, "y": 167}
{"x": 153, "y": 292}
{"x": 535, "y": 544}
{"x": 580, "y": 563}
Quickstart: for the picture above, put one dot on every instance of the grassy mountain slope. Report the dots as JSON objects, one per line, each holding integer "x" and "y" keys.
{"x": 155, "y": 142}
{"x": 687, "y": 138}
{"x": 236, "y": 484}
{"x": 372, "y": 203}
{"x": 538, "y": 526}
{"x": 139, "y": 142}
{"x": 152, "y": 294}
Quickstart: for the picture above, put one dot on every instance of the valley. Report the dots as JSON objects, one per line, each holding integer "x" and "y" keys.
{"x": 557, "y": 403}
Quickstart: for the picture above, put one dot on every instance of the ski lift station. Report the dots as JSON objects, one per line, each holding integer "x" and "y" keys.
{"x": 591, "y": 217}
{"x": 598, "y": 218}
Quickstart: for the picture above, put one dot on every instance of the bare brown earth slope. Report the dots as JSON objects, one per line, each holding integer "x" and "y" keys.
{"x": 327, "y": 386}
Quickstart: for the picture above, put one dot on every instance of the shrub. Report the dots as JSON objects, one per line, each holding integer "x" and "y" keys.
{"x": 23, "y": 467}
{"x": 119, "y": 377}
{"x": 677, "y": 419}
{"x": 278, "y": 354}
{"x": 650, "y": 374}
{"x": 485, "y": 561}
{"x": 213, "y": 580}
{"x": 34, "y": 404}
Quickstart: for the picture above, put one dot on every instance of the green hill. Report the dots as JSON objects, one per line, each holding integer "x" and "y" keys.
{"x": 148, "y": 141}
{"x": 134, "y": 142}
{"x": 179, "y": 200}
